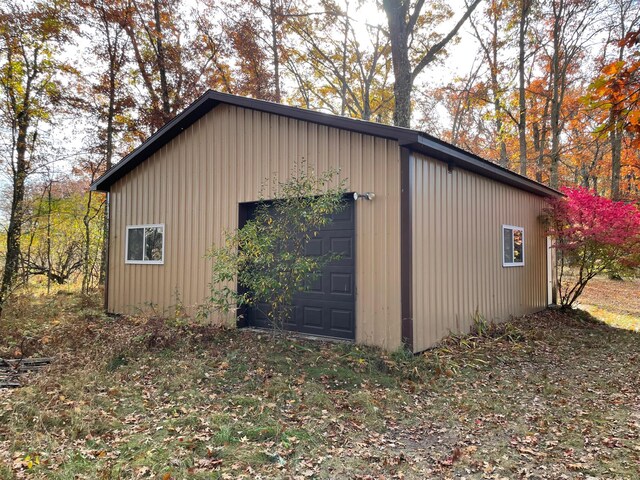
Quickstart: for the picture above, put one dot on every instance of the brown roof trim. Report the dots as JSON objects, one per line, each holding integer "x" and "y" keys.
{"x": 457, "y": 157}
{"x": 412, "y": 139}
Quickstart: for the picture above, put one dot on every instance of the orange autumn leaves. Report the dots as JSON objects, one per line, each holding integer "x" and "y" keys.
{"x": 618, "y": 89}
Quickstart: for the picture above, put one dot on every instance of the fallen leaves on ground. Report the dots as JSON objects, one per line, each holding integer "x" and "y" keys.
{"x": 552, "y": 395}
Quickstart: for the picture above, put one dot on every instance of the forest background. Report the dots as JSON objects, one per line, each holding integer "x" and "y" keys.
{"x": 547, "y": 88}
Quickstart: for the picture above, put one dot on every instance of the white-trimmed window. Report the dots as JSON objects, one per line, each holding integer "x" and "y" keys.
{"x": 512, "y": 246}
{"x": 144, "y": 244}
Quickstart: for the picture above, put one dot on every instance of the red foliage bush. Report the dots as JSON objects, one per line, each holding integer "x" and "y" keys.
{"x": 592, "y": 235}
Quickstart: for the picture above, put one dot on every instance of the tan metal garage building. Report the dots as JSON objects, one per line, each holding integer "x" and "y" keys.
{"x": 447, "y": 235}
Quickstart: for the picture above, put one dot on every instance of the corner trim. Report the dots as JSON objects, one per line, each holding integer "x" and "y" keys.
{"x": 406, "y": 248}
{"x": 107, "y": 250}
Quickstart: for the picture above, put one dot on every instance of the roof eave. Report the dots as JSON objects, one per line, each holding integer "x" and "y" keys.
{"x": 409, "y": 138}
{"x": 467, "y": 161}
{"x": 211, "y": 99}
{"x": 154, "y": 143}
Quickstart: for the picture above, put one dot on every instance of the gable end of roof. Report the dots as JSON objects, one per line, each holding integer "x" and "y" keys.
{"x": 412, "y": 139}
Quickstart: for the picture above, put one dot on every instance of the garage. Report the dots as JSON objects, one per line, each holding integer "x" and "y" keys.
{"x": 327, "y": 308}
{"x": 429, "y": 241}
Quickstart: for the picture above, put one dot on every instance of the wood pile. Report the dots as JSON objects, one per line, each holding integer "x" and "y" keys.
{"x": 12, "y": 370}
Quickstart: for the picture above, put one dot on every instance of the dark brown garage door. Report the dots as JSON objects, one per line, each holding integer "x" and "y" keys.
{"x": 328, "y": 307}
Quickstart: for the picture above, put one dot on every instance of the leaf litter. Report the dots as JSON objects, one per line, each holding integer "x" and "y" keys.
{"x": 548, "y": 396}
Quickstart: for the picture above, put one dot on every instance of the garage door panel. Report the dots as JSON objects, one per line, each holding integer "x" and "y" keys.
{"x": 342, "y": 244}
{"x": 341, "y": 283}
{"x": 314, "y": 248}
{"x": 311, "y": 316}
{"x": 315, "y": 286}
{"x": 341, "y": 320}
{"x": 345, "y": 218}
{"x": 327, "y": 307}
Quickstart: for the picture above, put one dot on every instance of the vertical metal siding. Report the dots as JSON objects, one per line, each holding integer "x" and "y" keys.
{"x": 194, "y": 184}
{"x": 457, "y": 251}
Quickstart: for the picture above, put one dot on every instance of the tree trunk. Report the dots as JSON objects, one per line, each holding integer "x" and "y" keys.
{"x": 615, "y": 140}
{"x": 86, "y": 268}
{"x": 401, "y": 27}
{"x": 343, "y": 86}
{"x": 274, "y": 48}
{"x": 108, "y": 161}
{"x": 556, "y": 79}
{"x": 504, "y": 159}
{"x": 14, "y": 232}
{"x": 540, "y": 140}
{"x": 401, "y": 65}
{"x": 366, "y": 101}
{"x": 615, "y": 136}
{"x": 522, "y": 117}
{"x": 495, "y": 86}
{"x": 162, "y": 67}
{"x": 49, "y": 267}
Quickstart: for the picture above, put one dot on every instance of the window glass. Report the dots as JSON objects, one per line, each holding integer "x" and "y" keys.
{"x": 153, "y": 244}
{"x": 518, "y": 245}
{"x": 145, "y": 244}
{"x": 508, "y": 245}
{"x": 135, "y": 244}
{"x": 512, "y": 246}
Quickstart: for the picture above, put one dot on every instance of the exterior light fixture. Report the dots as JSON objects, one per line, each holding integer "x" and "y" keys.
{"x": 364, "y": 196}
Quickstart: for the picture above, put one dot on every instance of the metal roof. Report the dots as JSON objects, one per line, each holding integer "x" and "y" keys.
{"x": 412, "y": 139}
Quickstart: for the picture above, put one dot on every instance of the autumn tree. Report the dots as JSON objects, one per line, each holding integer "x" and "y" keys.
{"x": 254, "y": 76}
{"x": 162, "y": 52}
{"x": 615, "y": 90}
{"x": 109, "y": 102}
{"x": 31, "y": 39}
{"x": 342, "y": 74}
{"x": 592, "y": 235}
{"x": 465, "y": 99}
{"x": 415, "y": 44}
{"x": 572, "y": 27}
{"x": 523, "y": 21}
{"x": 258, "y": 31}
{"x": 491, "y": 36}
{"x": 214, "y": 47}
{"x": 584, "y": 154}
{"x": 488, "y": 106}
{"x": 54, "y": 231}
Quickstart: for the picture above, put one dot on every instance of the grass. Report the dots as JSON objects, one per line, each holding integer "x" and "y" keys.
{"x": 552, "y": 395}
{"x": 613, "y": 301}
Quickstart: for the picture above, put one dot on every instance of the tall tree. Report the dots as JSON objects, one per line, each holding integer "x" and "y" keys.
{"x": 342, "y": 75}
{"x": 258, "y": 30}
{"x": 163, "y": 55}
{"x": 572, "y": 27}
{"x": 253, "y": 78}
{"x": 492, "y": 43}
{"x": 619, "y": 50}
{"x": 110, "y": 102}
{"x": 31, "y": 38}
{"x": 413, "y": 47}
{"x": 523, "y": 24}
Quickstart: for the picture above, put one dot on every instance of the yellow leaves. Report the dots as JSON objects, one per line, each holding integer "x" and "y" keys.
{"x": 30, "y": 462}
{"x": 613, "y": 68}
{"x": 26, "y": 463}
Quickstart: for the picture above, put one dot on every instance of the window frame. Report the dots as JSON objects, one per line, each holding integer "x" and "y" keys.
{"x": 126, "y": 244}
{"x": 512, "y": 228}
